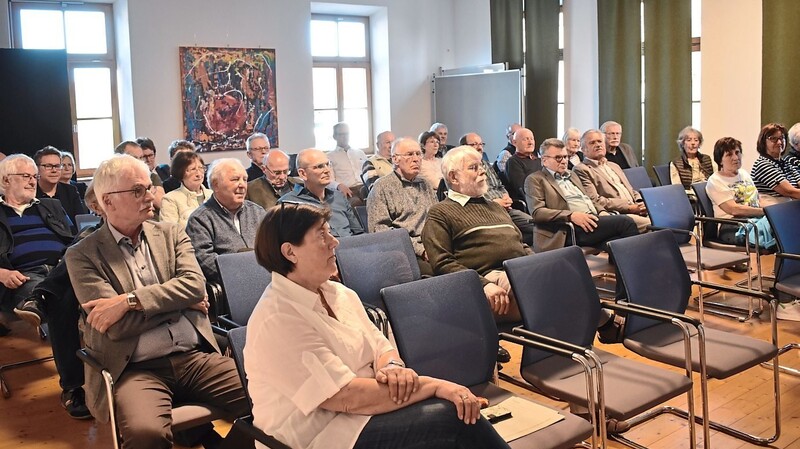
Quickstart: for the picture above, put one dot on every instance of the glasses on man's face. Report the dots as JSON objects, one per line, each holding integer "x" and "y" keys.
{"x": 477, "y": 145}
{"x": 776, "y": 139}
{"x": 278, "y": 172}
{"x": 26, "y": 176}
{"x": 411, "y": 154}
{"x": 476, "y": 167}
{"x": 51, "y": 166}
{"x": 138, "y": 191}
{"x": 559, "y": 158}
{"x": 148, "y": 156}
{"x": 260, "y": 149}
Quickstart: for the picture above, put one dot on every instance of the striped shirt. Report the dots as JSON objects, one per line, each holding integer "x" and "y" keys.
{"x": 767, "y": 173}
{"x": 34, "y": 243}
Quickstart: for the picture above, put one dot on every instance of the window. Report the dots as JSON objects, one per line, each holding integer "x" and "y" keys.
{"x": 696, "y": 63}
{"x": 86, "y": 32}
{"x": 342, "y": 78}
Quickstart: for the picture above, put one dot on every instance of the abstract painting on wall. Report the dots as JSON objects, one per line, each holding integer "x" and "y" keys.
{"x": 228, "y": 94}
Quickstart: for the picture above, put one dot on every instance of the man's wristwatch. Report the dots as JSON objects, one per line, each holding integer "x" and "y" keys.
{"x": 132, "y": 302}
{"x": 396, "y": 363}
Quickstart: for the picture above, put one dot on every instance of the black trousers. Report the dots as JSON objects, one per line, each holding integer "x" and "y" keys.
{"x": 609, "y": 227}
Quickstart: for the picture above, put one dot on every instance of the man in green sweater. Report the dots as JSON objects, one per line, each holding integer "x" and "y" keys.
{"x": 468, "y": 232}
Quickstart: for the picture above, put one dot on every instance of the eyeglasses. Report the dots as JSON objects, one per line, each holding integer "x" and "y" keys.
{"x": 196, "y": 169}
{"x": 259, "y": 148}
{"x": 477, "y": 144}
{"x": 321, "y": 166}
{"x": 51, "y": 166}
{"x": 278, "y": 172}
{"x": 138, "y": 191}
{"x": 149, "y": 156}
{"x": 26, "y": 176}
{"x": 559, "y": 158}
{"x": 776, "y": 139}
{"x": 475, "y": 167}
{"x": 411, "y": 154}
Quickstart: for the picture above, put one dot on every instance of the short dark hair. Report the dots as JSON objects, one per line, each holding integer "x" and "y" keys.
{"x": 146, "y": 142}
{"x": 120, "y": 149}
{"x": 423, "y": 138}
{"x": 179, "y": 144}
{"x": 285, "y": 223}
{"x": 725, "y": 145}
{"x": 463, "y": 140}
{"x": 46, "y": 151}
{"x": 766, "y": 131}
{"x": 182, "y": 162}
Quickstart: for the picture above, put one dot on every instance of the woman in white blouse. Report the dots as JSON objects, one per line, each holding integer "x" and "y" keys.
{"x": 321, "y": 375}
{"x": 431, "y": 167}
{"x": 177, "y": 205}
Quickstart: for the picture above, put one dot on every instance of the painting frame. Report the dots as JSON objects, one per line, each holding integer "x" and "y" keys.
{"x": 227, "y": 94}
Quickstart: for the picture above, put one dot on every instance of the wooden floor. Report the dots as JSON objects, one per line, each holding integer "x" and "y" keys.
{"x": 33, "y": 418}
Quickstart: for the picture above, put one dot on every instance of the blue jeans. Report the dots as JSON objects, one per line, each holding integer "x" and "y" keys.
{"x": 428, "y": 424}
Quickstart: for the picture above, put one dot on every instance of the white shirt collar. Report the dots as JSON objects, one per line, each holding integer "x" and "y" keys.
{"x": 458, "y": 197}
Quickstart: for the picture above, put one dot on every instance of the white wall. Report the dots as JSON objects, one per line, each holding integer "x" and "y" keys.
{"x": 731, "y": 73}
{"x": 581, "y": 88}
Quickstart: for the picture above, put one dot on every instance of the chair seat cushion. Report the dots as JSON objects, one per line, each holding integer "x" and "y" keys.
{"x": 563, "y": 434}
{"x": 630, "y": 387}
{"x": 790, "y": 285}
{"x": 713, "y": 259}
{"x": 726, "y": 353}
{"x": 186, "y": 416}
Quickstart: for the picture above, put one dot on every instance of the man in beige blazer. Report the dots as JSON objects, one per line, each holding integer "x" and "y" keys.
{"x": 606, "y": 183}
{"x": 143, "y": 295}
{"x": 555, "y": 197}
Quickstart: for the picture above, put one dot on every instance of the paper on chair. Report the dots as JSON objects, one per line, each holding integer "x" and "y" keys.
{"x": 526, "y": 417}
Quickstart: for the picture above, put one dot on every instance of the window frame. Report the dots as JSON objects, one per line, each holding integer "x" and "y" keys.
{"x": 338, "y": 63}
{"x": 86, "y": 60}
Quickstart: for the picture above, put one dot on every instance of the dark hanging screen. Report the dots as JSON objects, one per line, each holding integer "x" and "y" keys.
{"x": 34, "y": 104}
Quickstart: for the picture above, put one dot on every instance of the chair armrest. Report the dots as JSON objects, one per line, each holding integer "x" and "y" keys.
{"x": 248, "y": 430}
{"x": 650, "y": 312}
{"x": 788, "y": 256}
{"x": 520, "y": 331}
{"x": 89, "y": 360}
{"x": 679, "y": 231}
{"x": 553, "y": 349}
{"x": 217, "y": 330}
{"x": 733, "y": 221}
{"x": 227, "y": 323}
{"x": 731, "y": 289}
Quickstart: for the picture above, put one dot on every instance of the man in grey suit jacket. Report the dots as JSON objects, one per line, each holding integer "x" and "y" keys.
{"x": 555, "y": 197}
{"x": 144, "y": 298}
{"x": 605, "y": 182}
{"x": 620, "y": 153}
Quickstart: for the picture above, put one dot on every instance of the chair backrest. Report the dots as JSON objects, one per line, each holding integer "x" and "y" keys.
{"x": 669, "y": 207}
{"x": 783, "y": 218}
{"x": 243, "y": 281}
{"x": 710, "y": 230}
{"x": 556, "y": 297}
{"x": 444, "y": 328}
{"x": 654, "y": 274}
{"x": 638, "y": 177}
{"x": 236, "y": 339}
{"x": 363, "y": 218}
{"x": 662, "y": 174}
{"x": 369, "y": 262}
{"x": 83, "y": 221}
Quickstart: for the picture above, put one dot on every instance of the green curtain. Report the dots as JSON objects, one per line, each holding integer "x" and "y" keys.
{"x": 780, "y": 91}
{"x": 620, "y": 68}
{"x": 506, "y": 23}
{"x": 541, "y": 67}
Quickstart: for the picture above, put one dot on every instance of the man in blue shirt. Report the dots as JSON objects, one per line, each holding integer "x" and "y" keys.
{"x": 314, "y": 168}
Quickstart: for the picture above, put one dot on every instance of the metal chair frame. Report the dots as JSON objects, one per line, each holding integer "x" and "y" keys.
{"x": 4, "y": 385}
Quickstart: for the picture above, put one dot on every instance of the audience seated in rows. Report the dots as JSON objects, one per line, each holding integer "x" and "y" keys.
{"x": 509, "y": 150}
{"x": 440, "y": 129}
{"x": 149, "y": 158}
{"x": 431, "y": 165}
{"x": 402, "y": 199}
{"x": 135, "y": 150}
{"x": 572, "y": 142}
{"x": 617, "y": 152}
{"x": 379, "y": 164}
{"x": 177, "y": 205}
{"x": 226, "y": 222}
{"x": 146, "y": 313}
{"x": 314, "y": 168}
{"x": 49, "y": 185}
{"x": 177, "y": 146}
{"x": 346, "y": 166}
{"x": 68, "y": 174}
{"x": 320, "y": 374}
{"x": 266, "y": 190}
{"x": 606, "y": 183}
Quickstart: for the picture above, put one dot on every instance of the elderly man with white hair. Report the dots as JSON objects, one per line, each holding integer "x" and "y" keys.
{"x": 226, "y": 222}
{"x": 146, "y": 314}
{"x": 33, "y": 235}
